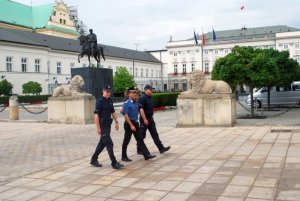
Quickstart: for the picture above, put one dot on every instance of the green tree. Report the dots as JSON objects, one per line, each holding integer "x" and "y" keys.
{"x": 246, "y": 65}
{"x": 122, "y": 80}
{"x": 32, "y": 88}
{"x": 5, "y": 87}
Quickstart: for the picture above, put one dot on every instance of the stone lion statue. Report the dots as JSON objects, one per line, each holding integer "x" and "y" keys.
{"x": 201, "y": 85}
{"x": 75, "y": 88}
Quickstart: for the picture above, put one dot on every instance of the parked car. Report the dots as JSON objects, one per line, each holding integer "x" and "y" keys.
{"x": 278, "y": 95}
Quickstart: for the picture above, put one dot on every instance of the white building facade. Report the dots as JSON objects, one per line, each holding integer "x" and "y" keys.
{"x": 182, "y": 57}
{"x": 48, "y": 60}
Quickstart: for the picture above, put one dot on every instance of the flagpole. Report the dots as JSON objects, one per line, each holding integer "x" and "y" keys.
{"x": 202, "y": 51}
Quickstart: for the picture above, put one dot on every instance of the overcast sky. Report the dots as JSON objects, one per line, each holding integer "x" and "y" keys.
{"x": 151, "y": 22}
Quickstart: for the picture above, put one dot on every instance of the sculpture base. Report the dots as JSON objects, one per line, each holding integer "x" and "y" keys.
{"x": 94, "y": 78}
{"x": 71, "y": 110}
{"x": 206, "y": 110}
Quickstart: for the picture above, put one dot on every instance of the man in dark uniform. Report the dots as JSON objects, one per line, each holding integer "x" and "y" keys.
{"x": 131, "y": 126}
{"x": 148, "y": 122}
{"x": 102, "y": 114}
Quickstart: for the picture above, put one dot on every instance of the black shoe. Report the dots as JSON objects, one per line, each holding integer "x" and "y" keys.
{"x": 164, "y": 149}
{"x": 118, "y": 166}
{"x": 95, "y": 163}
{"x": 126, "y": 159}
{"x": 149, "y": 157}
{"x": 139, "y": 153}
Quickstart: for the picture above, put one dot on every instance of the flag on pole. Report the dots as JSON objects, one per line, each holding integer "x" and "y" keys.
{"x": 242, "y": 7}
{"x": 195, "y": 38}
{"x": 203, "y": 39}
{"x": 214, "y": 37}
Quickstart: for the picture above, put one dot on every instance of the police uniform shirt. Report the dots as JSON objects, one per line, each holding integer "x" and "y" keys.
{"x": 147, "y": 104}
{"x": 104, "y": 108}
{"x": 131, "y": 108}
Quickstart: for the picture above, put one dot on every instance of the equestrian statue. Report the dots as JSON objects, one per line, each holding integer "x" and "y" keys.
{"x": 90, "y": 48}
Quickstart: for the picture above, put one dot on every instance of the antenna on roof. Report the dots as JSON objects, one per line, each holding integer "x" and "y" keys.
{"x": 136, "y": 44}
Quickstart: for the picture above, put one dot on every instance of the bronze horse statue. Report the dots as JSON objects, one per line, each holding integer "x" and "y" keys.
{"x": 86, "y": 50}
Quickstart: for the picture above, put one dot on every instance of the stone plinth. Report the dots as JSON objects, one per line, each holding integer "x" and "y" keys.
{"x": 71, "y": 110}
{"x": 206, "y": 110}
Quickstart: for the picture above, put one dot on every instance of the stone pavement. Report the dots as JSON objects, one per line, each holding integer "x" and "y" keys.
{"x": 51, "y": 162}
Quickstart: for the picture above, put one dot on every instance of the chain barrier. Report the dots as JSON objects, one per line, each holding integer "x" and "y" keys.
{"x": 31, "y": 112}
{"x": 4, "y": 107}
{"x": 243, "y": 106}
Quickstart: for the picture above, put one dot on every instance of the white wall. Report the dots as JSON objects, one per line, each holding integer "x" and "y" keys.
{"x": 51, "y": 57}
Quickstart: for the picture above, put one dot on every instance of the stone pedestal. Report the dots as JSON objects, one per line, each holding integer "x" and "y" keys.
{"x": 94, "y": 78}
{"x": 71, "y": 110}
{"x": 206, "y": 110}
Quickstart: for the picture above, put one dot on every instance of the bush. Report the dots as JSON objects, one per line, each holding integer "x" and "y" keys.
{"x": 5, "y": 87}
{"x": 164, "y": 99}
{"x": 32, "y": 88}
{"x": 26, "y": 99}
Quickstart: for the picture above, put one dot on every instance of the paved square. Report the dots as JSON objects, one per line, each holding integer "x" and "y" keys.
{"x": 51, "y": 162}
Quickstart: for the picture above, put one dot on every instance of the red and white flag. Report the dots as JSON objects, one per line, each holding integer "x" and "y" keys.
{"x": 242, "y": 7}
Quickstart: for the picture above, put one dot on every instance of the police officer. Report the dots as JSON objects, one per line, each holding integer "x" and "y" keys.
{"x": 131, "y": 126}
{"x": 102, "y": 114}
{"x": 147, "y": 121}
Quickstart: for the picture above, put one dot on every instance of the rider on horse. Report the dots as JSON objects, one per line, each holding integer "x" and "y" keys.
{"x": 92, "y": 40}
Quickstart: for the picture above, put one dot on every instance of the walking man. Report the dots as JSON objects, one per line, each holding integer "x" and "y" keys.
{"x": 131, "y": 126}
{"x": 147, "y": 122}
{"x": 102, "y": 114}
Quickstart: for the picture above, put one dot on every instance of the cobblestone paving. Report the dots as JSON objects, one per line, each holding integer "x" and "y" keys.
{"x": 51, "y": 162}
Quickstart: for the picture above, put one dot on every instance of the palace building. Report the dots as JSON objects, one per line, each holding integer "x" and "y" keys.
{"x": 40, "y": 44}
{"x": 183, "y": 56}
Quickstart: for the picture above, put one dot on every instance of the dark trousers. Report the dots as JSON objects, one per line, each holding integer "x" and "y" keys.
{"x": 105, "y": 141}
{"x": 137, "y": 136}
{"x": 153, "y": 132}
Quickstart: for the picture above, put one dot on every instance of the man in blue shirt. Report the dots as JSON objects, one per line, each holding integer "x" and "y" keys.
{"x": 102, "y": 114}
{"x": 148, "y": 122}
{"x": 131, "y": 126}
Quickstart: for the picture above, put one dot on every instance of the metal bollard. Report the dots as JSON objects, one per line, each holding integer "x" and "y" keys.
{"x": 13, "y": 108}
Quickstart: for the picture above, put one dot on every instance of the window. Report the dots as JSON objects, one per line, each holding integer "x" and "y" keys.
{"x": 206, "y": 52}
{"x": 216, "y": 51}
{"x": 156, "y": 73}
{"x": 60, "y": 20}
{"x": 184, "y": 86}
{"x": 58, "y": 67}
{"x": 206, "y": 67}
{"x": 64, "y": 21}
{"x": 147, "y": 72}
{"x": 142, "y": 72}
{"x": 285, "y": 46}
{"x": 72, "y": 65}
{"x": 152, "y": 73}
{"x": 184, "y": 68}
{"x": 24, "y": 64}
{"x": 226, "y": 51}
{"x": 8, "y": 64}
{"x": 193, "y": 67}
{"x": 297, "y": 45}
{"x": 282, "y": 89}
{"x": 176, "y": 86}
{"x": 175, "y": 54}
{"x": 175, "y": 68}
{"x": 136, "y": 72}
{"x": 37, "y": 65}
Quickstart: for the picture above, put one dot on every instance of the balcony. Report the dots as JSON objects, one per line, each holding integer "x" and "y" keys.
{"x": 184, "y": 74}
